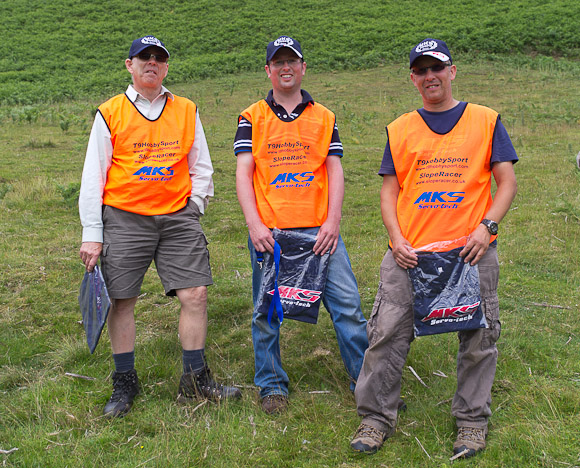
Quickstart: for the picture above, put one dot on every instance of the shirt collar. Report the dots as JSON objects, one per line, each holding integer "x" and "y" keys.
{"x": 133, "y": 94}
{"x": 306, "y": 98}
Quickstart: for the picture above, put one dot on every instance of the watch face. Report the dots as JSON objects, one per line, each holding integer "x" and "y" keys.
{"x": 490, "y": 225}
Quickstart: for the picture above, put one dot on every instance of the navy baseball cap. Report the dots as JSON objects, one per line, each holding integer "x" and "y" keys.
{"x": 433, "y": 47}
{"x": 283, "y": 41}
{"x": 143, "y": 42}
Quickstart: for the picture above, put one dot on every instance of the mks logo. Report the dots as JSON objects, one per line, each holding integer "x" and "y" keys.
{"x": 293, "y": 177}
{"x": 452, "y": 312}
{"x": 299, "y": 294}
{"x": 154, "y": 171}
{"x": 440, "y": 197}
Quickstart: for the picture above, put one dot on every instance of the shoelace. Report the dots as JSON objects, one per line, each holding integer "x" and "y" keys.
{"x": 121, "y": 387}
{"x": 471, "y": 433}
{"x": 275, "y": 397}
{"x": 208, "y": 384}
{"x": 369, "y": 431}
{"x": 216, "y": 387}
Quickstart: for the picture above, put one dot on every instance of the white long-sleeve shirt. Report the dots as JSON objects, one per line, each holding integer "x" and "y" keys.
{"x": 100, "y": 154}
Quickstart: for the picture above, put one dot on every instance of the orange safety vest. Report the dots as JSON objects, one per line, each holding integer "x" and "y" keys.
{"x": 445, "y": 179}
{"x": 149, "y": 172}
{"x": 290, "y": 178}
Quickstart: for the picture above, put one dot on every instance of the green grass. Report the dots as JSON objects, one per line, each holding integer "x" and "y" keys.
{"x": 55, "y": 421}
{"x": 62, "y": 49}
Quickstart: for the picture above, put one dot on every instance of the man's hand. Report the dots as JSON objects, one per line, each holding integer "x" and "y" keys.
{"x": 327, "y": 237}
{"x": 261, "y": 237}
{"x": 477, "y": 245}
{"x": 403, "y": 254}
{"x": 90, "y": 253}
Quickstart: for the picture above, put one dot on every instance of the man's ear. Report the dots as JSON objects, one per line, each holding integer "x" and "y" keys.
{"x": 129, "y": 65}
{"x": 453, "y": 71}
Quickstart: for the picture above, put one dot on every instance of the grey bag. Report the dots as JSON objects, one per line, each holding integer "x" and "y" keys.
{"x": 95, "y": 304}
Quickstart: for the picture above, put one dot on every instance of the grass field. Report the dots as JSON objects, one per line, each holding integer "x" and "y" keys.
{"x": 54, "y": 419}
{"x": 63, "y": 58}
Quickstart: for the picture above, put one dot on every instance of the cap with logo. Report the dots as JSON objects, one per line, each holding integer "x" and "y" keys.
{"x": 142, "y": 43}
{"x": 433, "y": 47}
{"x": 283, "y": 41}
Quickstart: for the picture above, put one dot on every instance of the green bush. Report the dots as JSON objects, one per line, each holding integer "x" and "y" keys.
{"x": 62, "y": 49}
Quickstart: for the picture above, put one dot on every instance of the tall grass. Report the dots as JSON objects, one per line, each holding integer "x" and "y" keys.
{"x": 55, "y": 420}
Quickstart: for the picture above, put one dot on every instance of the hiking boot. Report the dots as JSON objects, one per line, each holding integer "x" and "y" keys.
{"x": 125, "y": 387}
{"x": 275, "y": 403}
{"x": 471, "y": 439}
{"x": 196, "y": 385}
{"x": 368, "y": 440}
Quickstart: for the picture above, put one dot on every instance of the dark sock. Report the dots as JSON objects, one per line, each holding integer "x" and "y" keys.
{"x": 124, "y": 362}
{"x": 193, "y": 360}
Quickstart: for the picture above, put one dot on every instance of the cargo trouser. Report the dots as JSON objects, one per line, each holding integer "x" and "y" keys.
{"x": 390, "y": 332}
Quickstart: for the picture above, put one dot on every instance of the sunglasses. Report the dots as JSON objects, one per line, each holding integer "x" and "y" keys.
{"x": 146, "y": 56}
{"x": 435, "y": 69}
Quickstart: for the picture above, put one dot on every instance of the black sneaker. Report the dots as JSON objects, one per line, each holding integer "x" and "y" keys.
{"x": 125, "y": 387}
{"x": 196, "y": 385}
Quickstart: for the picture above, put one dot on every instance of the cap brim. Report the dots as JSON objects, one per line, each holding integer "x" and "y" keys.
{"x": 295, "y": 51}
{"x": 438, "y": 55}
{"x": 146, "y": 46}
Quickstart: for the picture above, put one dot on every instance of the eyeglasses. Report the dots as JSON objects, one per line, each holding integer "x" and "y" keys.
{"x": 146, "y": 56}
{"x": 434, "y": 68}
{"x": 280, "y": 63}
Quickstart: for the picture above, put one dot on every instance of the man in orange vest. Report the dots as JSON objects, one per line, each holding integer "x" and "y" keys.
{"x": 146, "y": 182}
{"x": 289, "y": 176}
{"x": 437, "y": 171}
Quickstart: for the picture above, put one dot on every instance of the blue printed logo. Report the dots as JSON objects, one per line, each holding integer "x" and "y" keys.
{"x": 293, "y": 179}
{"x": 154, "y": 171}
{"x": 448, "y": 200}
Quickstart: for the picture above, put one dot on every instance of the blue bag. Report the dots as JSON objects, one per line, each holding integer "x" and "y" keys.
{"x": 95, "y": 304}
{"x": 446, "y": 294}
{"x": 294, "y": 278}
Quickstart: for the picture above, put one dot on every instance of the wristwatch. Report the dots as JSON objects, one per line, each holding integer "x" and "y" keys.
{"x": 490, "y": 225}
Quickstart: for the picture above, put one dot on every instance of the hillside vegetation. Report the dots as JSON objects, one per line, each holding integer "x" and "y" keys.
{"x": 63, "y": 49}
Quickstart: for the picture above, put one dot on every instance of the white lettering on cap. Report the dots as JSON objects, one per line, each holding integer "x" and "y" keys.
{"x": 283, "y": 41}
{"x": 151, "y": 40}
{"x": 426, "y": 45}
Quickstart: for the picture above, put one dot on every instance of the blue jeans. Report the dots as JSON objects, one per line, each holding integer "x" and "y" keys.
{"x": 341, "y": 299}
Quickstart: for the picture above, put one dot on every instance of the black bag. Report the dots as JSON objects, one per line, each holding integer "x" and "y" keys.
{"x": 294, "y": 278}
{"x": 446, "y": 294}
